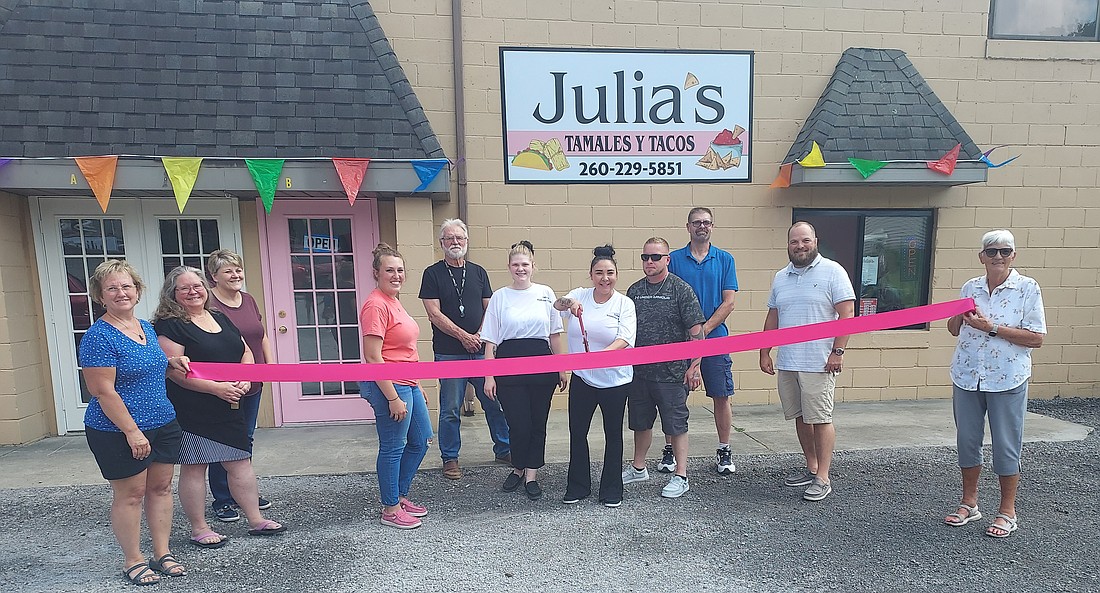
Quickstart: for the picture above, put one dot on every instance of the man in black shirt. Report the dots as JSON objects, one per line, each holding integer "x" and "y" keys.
{"x": 455, "y": 293}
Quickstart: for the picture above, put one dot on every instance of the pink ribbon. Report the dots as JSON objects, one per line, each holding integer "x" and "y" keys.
{"x": 579, "y": 361}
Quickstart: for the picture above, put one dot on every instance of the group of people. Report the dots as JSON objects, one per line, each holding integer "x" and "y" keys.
{"x": 146, "y": 415}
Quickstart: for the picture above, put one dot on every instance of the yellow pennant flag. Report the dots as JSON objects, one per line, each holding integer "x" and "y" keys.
{"x": 99, "y": 172}
{"x": 813, "y": 159}
{"x": 182, "y": 172}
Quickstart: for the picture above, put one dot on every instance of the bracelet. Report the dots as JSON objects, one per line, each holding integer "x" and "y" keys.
{"x": 392, "y": 400}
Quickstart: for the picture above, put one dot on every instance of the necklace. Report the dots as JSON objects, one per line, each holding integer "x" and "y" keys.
{"x": 659, "y": 287}
{"x": 126, "y": 327}
{"x": 459, "y": 288}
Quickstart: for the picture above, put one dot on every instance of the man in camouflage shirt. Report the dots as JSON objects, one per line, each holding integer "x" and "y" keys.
{"x": 668, "y": 312}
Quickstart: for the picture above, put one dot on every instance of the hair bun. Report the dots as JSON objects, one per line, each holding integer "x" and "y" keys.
{"x": 526, "y": 244}
{"x": 604, "y": 251}
{"x": 383, "y": 248}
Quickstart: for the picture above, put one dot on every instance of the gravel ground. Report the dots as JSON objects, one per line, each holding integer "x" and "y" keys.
{"x": 881, "y": 530}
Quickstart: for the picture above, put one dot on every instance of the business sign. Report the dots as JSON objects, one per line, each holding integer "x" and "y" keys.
{"x": 626, "y": 116}
{"x": 321, "y": 244}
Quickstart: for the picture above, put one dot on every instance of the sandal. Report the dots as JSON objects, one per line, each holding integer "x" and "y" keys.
{"x": 1002, "y": 531}
{"x": 175, "y": 570}
{"x": 267, "y": 527}
{"x": 972, "y": 514}
{"x": 198, "y": 540}
{"x": 139, "y": 579}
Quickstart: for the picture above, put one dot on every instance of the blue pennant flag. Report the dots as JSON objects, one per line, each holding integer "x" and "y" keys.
{"x": 427, "y": 170}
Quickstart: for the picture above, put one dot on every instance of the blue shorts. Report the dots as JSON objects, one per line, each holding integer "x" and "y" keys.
{"x": 717, "y": 375}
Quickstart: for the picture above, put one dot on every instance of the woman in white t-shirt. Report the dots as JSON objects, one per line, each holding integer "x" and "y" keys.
{"x": 610, "y": 323}
{"x": 521, "y": 321}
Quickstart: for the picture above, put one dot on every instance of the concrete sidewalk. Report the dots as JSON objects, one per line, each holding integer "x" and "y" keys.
{"x": 343, "y": 449}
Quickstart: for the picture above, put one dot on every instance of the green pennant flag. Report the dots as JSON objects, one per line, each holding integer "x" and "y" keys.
{"x": 865, "y": 167}
{"x": 265, "y": 174}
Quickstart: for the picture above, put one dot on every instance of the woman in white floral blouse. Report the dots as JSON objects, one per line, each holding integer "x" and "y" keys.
{"x": 989, "y": 373}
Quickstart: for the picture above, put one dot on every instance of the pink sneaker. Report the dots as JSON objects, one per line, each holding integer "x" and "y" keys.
{"x": 400, "y": 519}
{"x": 413, "y": 509}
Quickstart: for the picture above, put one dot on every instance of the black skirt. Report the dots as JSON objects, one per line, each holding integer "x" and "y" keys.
{"x": 525, "y": 347}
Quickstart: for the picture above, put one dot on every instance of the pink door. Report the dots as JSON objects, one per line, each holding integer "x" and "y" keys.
{"x": 318, "y": 270}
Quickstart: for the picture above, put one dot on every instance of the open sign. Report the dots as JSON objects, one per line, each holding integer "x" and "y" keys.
{"x": 322, "y": 244}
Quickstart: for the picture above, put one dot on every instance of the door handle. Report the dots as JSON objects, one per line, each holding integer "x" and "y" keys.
{"x": 282, "y": 329}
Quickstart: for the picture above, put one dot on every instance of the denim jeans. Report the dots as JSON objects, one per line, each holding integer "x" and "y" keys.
{"x": 401, "y": 445}
{"x": 219, "y": 480}
{"x": 452, "y": 392}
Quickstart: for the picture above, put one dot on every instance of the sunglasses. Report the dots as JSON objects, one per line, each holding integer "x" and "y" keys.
{"x": 653, "y": 256}
{"x": 993, "y": 251}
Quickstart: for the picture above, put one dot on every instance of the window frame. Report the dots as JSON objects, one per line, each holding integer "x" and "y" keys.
{"x": 855, "y": 273}
{"x": 992, "y": 35}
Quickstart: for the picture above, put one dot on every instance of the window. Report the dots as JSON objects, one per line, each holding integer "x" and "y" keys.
{"x": 887, "y": 253}
{"x": 1063, "y": 20}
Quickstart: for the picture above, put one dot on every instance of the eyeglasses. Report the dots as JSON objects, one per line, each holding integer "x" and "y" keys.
{"x": 702, "y": 223}
{"x": 454, "y": 239}
{"x": 654, "y": 257}
{"x": 118, "y": 289}
{"x": 192, "y": 288}
{"x": 993, "y": 251}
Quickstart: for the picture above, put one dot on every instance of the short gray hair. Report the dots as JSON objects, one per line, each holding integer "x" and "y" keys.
{"x": 998, "y": 237}
{"x": 452, "y": 222}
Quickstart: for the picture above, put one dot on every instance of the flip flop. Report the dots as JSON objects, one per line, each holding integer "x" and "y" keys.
{"x": 972, "y": 514}
{"x": 1009, "y": 526}
{"x": 145, "y": 571}
{"x": 176, "y": 570}
{"x": 197, "y": 540}
{"x": 266, "y": 528}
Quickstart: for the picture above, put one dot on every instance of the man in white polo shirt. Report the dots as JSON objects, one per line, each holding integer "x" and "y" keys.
{"x": 811, "y": 289}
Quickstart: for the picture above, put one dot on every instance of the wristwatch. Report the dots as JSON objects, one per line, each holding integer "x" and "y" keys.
{"x": 993, "y": 332}
{"x": 838, "y": 351}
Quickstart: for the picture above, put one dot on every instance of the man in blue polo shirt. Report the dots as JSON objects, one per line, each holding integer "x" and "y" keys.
{"x": 712, "y": 274}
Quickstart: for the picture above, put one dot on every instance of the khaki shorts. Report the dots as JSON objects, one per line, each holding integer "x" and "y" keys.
{"x": 809, "y": 395}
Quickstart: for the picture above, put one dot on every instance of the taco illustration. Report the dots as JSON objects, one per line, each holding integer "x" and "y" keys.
{"x": 544, "y": 155}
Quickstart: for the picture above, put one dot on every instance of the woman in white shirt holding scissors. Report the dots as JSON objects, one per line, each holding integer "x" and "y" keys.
{"x": 598, "y": 318}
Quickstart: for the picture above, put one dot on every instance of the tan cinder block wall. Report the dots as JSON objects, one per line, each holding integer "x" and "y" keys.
{"x": 415, "y": 235}
{"x": 26, "y": 401}
{"x": 1001, "y": 92}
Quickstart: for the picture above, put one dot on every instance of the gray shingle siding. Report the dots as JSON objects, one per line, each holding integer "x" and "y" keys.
{"x": 877, "y": 106}
{"x": 294, "y": 78}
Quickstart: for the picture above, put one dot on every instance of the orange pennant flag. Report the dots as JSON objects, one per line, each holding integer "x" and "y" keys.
{"x": 99, "y": 172}
{"x": 351, "y": 172}
{"x": 784, "y": 177}
{"x": 946, "y": 164}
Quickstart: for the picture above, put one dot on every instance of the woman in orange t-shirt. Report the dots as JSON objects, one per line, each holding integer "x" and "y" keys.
{"x": 400, "y": 409}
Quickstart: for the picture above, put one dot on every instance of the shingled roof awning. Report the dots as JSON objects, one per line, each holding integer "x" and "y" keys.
{"x": 295, "y": 79}
{"x": 878, "y": 107}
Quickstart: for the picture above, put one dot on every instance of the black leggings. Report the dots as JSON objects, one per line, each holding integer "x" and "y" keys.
{"x": 526, "y": 407}
{"x": 583, "y": 401}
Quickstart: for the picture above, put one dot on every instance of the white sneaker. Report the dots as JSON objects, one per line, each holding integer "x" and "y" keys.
{"x": 723, "y": 462}
{"x": 631, "y": 475}
{"x": 668, "y": 461}
{"x": 676, "y": 487}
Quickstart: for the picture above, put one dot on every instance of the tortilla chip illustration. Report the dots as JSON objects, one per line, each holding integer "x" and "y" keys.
{"x": 710, "y": 160}
{"x": 544, "y": 155}
{"x": 531, "y": 160}
{"x": 731, "y": 161}
{"x": 690, "y": 81}
{"x": 737, "y": 131}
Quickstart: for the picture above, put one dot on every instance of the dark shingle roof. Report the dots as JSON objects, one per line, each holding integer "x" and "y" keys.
{"x": 877, "y": 106}
{"x": 294, "y": 78}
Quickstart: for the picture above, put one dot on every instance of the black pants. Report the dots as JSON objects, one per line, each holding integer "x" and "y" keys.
{"x": 526, "y": 407}
{"x": 583, "y": 400}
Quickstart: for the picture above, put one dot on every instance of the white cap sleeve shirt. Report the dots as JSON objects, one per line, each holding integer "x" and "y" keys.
{"x": 605, "y": 323}
{"x": 515, "y": 314}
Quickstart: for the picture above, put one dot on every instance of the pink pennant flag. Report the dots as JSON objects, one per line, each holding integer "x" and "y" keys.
{"x": 946, "y": 164}
{"x": 351, "y": 172}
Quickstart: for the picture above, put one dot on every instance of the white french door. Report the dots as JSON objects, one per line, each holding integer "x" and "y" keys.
{"x": 73, "y": 236}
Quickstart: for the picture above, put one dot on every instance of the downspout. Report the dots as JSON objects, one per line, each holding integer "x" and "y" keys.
{"x": 460, "y": 108}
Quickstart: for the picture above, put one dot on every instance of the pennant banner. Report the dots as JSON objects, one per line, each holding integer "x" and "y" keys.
{"x": 985, "y": 157}
{"x": 427, "y": 170}
{"x": 946, "y": 164}
{"x": 579, "y": 361}
{"x": 814, "y": 159}
{"x": 865, "y": 167}
{"x": 4, "y": 162}
{"x": 265, "y": 174}
{"x": 182, "y": 172}
{"x": 351, "y": 173}
{"x": 99, "y": 172}
{"x": 784, "y": 177}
